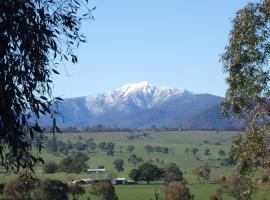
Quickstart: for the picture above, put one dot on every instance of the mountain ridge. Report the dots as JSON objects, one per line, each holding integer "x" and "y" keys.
{"x": 142, "y": 105}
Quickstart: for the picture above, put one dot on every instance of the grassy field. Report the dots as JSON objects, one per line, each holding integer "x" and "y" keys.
{"x": 177, "y": 141}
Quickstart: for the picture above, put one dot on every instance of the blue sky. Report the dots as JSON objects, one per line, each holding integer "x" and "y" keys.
{"x": 173, "y": 43}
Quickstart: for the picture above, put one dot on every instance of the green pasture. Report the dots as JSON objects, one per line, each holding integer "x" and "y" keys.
{"x": 177, "y": 141}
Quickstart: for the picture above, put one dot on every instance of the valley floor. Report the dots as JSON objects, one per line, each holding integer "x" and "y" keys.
{"x": 177, "y": 142}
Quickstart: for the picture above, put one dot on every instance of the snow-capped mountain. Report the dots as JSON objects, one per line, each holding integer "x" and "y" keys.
{"x": 141, "y": 105}
{"x": 140, "y": 95}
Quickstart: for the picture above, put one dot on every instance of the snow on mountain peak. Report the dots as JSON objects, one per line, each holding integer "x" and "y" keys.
{"x": 141, "y": 95}
{"x": 129, "y": 89}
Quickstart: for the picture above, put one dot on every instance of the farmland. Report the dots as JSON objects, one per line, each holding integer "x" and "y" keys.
{"x": 177, "y": 142}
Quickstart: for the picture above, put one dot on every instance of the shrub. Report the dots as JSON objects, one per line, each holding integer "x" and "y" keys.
{"x": 217, "y": 195}
{"x": 238, "y": 186}
{"x": 104, "y": 191}
{"x": 265, "y": 177}
{"x": 50, "y": 168}
{"x": 134, "y": 174}
{"x": 119, "y": 165}
{"x": 202, "y": 172}
{"x": 227, "y": 162}
{"x": 172, "y": 173}
{"x": 75, "y": 164}
{"x": 2, "y": 186}
{"x": 48, "y": 189}
{"x": 149, "y": 172}
{"x": 134, "y": 159}
{"x": 177, "y": 190}
{"x": 221, "y": 152}
{"x": 76, "y": 190}
{"x": 20, "y": 187}
{"x": 194, "y": 150}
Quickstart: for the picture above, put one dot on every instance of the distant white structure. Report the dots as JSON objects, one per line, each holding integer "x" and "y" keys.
{"x": 122, "y": 181}
{"x": 117, "y": 181}
{"x": 96, "y": 170}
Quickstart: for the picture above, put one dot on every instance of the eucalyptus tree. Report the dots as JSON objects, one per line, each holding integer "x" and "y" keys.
{"x": 246, "y": 63}
{"x": 35, "y": 36}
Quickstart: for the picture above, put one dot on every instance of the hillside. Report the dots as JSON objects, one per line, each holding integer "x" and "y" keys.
{"x": 143, "y": 105}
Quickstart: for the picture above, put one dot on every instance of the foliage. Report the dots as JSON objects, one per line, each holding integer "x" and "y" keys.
{"x": 50, "y": 168}
{"x": 109, "y": 152}
{"x": 119, "y": 165}
{"x": 246, "y": 62}
{"x": 217, "y": 195}
{"x": 64, "y": 165}
{"x": 172, "y": 173}
{"x": 92, "y": 146}
{"x": 2, "y": 186}
{"x": 104, "y": 190}
{"x": 187, "y": 150}
{"x": 75, "y": 190}
{"x": 194, "y": 150}
{"x": 134, "y": 159}
{"x": 134, "y": 174}
{"x": 48, "y": 189}
{"x": 108, "y": 147}
{"x": 202, "y": 172}
{"x": 52, "y": 145}
{"x": 20, "y": 187}
{"x": 80, "y": 146}
{"x": 75, "y": 164}
{"x": 265, "y": 177}
{"x": 157, "y": 196}
{"x": 238, "y": 186}
{"x": 101, "y": 167}
{"x": 152, "y": 149}
{"x": 35, "y": 35}
{"x": 149, "y": 172}
{"x": 130, "y": 148}
{"x": 177, "y": 190}
{"x": 221, "y": 152}
{"x": 227, "y": 162}
{"x": 207, "y": 152}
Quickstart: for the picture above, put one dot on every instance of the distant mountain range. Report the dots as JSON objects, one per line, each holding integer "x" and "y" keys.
{"x": 142, "y": 105}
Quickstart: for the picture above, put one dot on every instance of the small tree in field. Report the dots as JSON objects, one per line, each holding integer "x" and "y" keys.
{"x": 48, "y": 189}
{"x": 134, "y": 159}
{"x": 207, "y": 152}
{"x": 130, "y": 148}
{"x": 177, "y": 190}
{"x": 217, "y": 195}
{"x": 119, "y": 165}
{"x": 238, "y": 186}
{"x": 20, "y": 187}
{"x": 75, "y": 164}
{"x": 149, "y": 172}
{"x": 134, "y": 174}
{"x": 2, "y": 186}
{"x": 50, "y": 168}
{"x": 221, "y": 152}
{"x": 104, "y": 191}
{"x": 75, "y": 190}
{"x": 172, "y": 173}
{"x": 202, "y": 172}
{"x": 194, "y": 150}
{"x": 187, "y": 151}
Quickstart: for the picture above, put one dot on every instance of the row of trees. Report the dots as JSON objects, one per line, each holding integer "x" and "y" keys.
{"x": 55, "y": 146}
{"x": 159, "y": 149}
{"x": 26, "y": 187}
{"x": 207, "y": 151}
{"x": 150, "y": 172}
{"x": 74, "y": 164}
